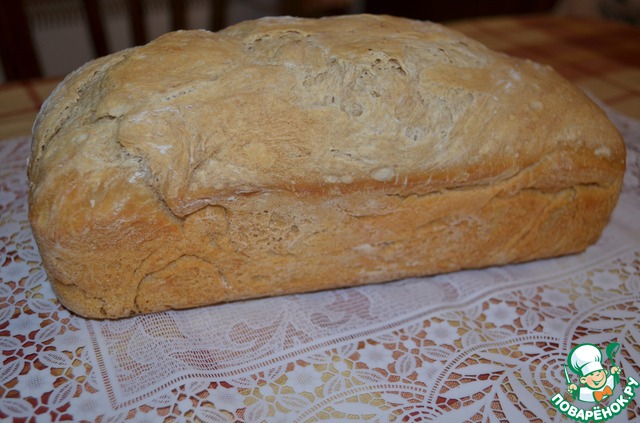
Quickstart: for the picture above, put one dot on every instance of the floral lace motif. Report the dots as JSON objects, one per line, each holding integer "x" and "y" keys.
{"x": 482, "y": 345}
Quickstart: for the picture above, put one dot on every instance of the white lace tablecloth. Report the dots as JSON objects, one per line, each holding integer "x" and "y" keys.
{"x": 485, "y": 345}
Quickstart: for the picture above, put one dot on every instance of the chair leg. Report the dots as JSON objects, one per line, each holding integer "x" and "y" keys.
{"x": 136, "y": 20}
{"x": 178, "y": 15}
{"x": 218, "y": 14}
{"x": 96, "y": 27}
{"x": 19, "y": 58}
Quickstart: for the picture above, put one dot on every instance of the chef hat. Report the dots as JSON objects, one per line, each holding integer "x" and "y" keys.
{"x": 584, "y": 359}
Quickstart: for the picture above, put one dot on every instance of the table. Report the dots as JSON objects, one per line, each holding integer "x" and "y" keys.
{"x": 483, "y": 345}
{"x": 601, "y": 57}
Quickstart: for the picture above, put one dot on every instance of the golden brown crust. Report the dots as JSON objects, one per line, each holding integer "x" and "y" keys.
{"x": 287, "y": 155}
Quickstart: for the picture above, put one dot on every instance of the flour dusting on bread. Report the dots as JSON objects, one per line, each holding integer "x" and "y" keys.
{"x": 288, "y": 155}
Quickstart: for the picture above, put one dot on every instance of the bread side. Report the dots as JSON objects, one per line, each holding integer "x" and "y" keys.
{"x": 287, "y": 155}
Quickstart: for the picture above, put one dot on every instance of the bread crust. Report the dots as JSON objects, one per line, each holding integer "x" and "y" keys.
{"x": 288, "y": 155}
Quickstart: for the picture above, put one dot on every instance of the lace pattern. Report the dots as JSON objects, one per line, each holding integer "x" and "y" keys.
{"x": 480, "y": 345}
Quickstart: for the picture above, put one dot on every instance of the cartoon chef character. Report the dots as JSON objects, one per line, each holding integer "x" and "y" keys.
{"x": 585, "y": 360}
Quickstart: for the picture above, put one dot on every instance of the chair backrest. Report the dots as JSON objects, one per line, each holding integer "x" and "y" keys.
{"x": 18, "y": 53}
{"x": 137, "y": 20}
{"x": 20, "y": 60}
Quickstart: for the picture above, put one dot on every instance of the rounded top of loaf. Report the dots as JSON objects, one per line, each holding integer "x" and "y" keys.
{"x": 309, "y": 106}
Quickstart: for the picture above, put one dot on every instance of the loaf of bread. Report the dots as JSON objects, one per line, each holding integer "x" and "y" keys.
{"x": 287, "y": 155}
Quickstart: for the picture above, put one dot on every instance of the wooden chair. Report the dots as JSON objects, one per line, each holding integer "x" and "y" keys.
{"x": 20, "y": 60}
{"x": 17, "y": 51}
